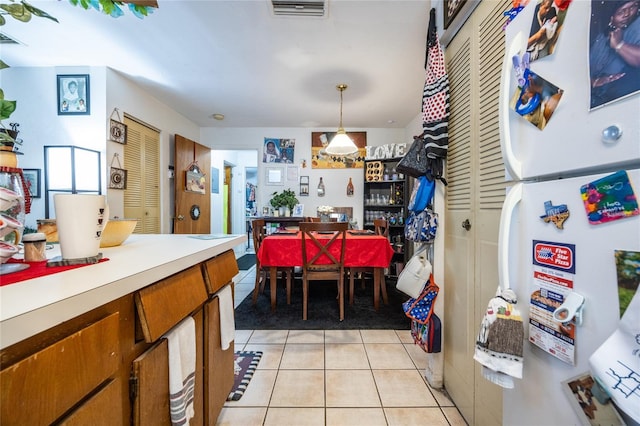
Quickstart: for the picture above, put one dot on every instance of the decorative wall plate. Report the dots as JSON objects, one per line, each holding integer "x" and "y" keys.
{"x": 118, "y": 178}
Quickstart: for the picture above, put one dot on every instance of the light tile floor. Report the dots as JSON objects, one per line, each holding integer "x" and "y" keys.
{"x": 335, "y": 377}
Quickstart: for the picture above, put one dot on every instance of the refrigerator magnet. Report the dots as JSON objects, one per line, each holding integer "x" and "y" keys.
{"x": 609, "y": 198}
{"x": 555, "y": 214}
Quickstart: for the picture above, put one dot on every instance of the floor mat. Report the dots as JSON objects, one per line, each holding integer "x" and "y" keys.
{"x": 246, "y": 262}
{"x": 244, "y": 365}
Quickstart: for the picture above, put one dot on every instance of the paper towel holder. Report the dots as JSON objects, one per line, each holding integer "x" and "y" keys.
{"x": 571, "y": 308}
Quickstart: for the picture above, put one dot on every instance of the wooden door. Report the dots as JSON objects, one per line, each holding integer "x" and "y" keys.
{"x": 475, "y": 193}
{"x": 142, "y": 162}
{"x": 228, "y": 199}
{"x": 193, "y": 209}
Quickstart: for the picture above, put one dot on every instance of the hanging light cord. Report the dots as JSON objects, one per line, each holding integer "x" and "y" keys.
{"x": 341, "y": 88}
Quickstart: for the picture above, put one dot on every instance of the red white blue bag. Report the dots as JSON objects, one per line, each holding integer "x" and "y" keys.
{"x": 420, "y": 309}
{"x": 428, "y": 336}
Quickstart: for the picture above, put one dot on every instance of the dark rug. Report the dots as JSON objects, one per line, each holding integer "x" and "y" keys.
{"x": 244, "y": 365}
{"x": 246, "y": 262}
{"x": 323, "y": 313}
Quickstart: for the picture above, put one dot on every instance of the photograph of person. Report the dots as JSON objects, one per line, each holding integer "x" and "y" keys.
{"x": 271, "y": 153}
{"x": 537, "y": 101}
{"x": 73, "y": 94}
{"x": 278, "y": 150}
{"x": 614, "y": 50}
{"x": 545, "y": 28}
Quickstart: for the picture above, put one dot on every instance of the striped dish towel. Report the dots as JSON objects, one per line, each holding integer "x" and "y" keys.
{"x": 182, "y": 370}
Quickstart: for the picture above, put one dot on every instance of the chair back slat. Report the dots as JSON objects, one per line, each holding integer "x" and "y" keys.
{"x": 381, "y": 227}
{"x": 258, "y": 233}
{"x": 312, "y": 236}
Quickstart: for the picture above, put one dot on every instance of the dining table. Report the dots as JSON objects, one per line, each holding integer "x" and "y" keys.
{"x": 362, "y": 249}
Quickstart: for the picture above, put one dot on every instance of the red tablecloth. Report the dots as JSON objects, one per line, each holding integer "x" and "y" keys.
{"x": 361, "y": 250}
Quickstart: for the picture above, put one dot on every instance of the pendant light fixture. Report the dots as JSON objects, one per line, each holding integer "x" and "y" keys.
{"x": 341, "y": 144}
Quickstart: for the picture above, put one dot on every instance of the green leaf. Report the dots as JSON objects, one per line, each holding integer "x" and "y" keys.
{"x": 17, "y": 11}
{"x": 2, "y": 20}
{"x": 108, "y": 7}
{"x": 3, "y": 65}
{"x": 4, "y": 137}
{"x": 38, "y": 12}
{"x": 6, "y": 108}
{"x": 1, "y": 94}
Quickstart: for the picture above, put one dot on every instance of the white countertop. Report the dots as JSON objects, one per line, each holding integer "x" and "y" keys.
{"x": 31, "y": 306}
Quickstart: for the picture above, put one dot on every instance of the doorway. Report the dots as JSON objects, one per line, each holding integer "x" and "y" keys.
{"x": 234, "y": 168}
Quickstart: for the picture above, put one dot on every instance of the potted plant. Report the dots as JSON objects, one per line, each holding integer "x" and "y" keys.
{"x": 7, "y": 137}
{"x": 285, "y": 199}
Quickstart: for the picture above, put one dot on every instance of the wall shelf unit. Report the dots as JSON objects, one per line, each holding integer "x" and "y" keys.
{"x": 386, "y": 194}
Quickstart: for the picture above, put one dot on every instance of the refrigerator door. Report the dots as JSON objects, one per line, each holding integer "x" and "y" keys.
{"x": 584, "y": 260}
{"x": 572, "y": 141}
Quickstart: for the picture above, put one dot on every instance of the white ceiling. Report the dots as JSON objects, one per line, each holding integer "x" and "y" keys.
{"x": 236, "y": 58}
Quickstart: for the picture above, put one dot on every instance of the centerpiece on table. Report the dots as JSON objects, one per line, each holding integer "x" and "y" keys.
{"x": 283, "y": 202}
{"x": 324, "y": 212}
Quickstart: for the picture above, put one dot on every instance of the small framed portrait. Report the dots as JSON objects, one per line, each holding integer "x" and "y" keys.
{"x": 117, "y": 131}
{"x": 32, "y": 179}
{"x": 73, "y": 94}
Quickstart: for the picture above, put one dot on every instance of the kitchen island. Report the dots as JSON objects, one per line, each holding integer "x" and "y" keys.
{"x": 116, "y": 312}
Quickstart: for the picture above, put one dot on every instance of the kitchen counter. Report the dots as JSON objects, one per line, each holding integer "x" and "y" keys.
{"x": 35, "y": 305}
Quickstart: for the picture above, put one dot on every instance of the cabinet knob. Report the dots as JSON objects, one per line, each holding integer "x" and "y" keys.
{"x": 466, "y": 224}
{"x": 180, "y": 217}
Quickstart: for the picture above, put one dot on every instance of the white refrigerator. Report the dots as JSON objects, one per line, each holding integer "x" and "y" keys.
{"x": 549, "y": 245}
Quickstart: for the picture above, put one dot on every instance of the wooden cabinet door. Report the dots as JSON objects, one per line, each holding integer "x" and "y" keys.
{"x": 150, "y": 383}
{"x": 102, "y": 409}
{"x": 42, "y": 387}
{"x": 218, "y": 364}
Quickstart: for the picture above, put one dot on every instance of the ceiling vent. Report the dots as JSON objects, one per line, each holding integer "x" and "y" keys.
{"x": 299, "y": 7}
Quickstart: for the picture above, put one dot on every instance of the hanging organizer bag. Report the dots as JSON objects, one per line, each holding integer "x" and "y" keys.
{"x": 428, "y": 336}
{"x": 414, "y": 162}
{"x": 421, "y": 227}
{"x": 420, "y": 309}
{"x": 415, "y": 274}
{"x": 422, "y": 194}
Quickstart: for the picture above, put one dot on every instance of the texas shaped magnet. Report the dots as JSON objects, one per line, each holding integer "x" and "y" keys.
{"x": 555, "y": 214}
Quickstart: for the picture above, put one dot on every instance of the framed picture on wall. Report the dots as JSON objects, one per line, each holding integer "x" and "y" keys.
{"x": 73, "y": 94}
{"x": 274, "y": 176}
{"x": 32, "y": 178}
{"x": 451, "y": 9}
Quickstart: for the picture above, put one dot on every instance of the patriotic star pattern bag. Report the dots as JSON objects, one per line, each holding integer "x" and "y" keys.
{"x": 420, "y": 309}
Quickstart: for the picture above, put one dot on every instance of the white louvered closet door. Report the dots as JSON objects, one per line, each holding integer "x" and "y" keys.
{"x": 142, "y": 161}
{"x": 474, "y": 196}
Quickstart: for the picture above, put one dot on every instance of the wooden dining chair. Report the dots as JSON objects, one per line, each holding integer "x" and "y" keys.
{"x": 321, "y": 237}
{"x": 380, "y": 227}
{"x": 263, "y": 273}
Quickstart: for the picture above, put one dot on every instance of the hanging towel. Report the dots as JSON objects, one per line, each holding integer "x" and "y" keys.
{"x": 182, "y": 370}
{"x": 500, "y": 342}
{"x": 227, "y": 321}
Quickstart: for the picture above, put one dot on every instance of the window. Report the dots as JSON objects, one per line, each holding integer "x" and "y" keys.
{"x": 70, "y": 169}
